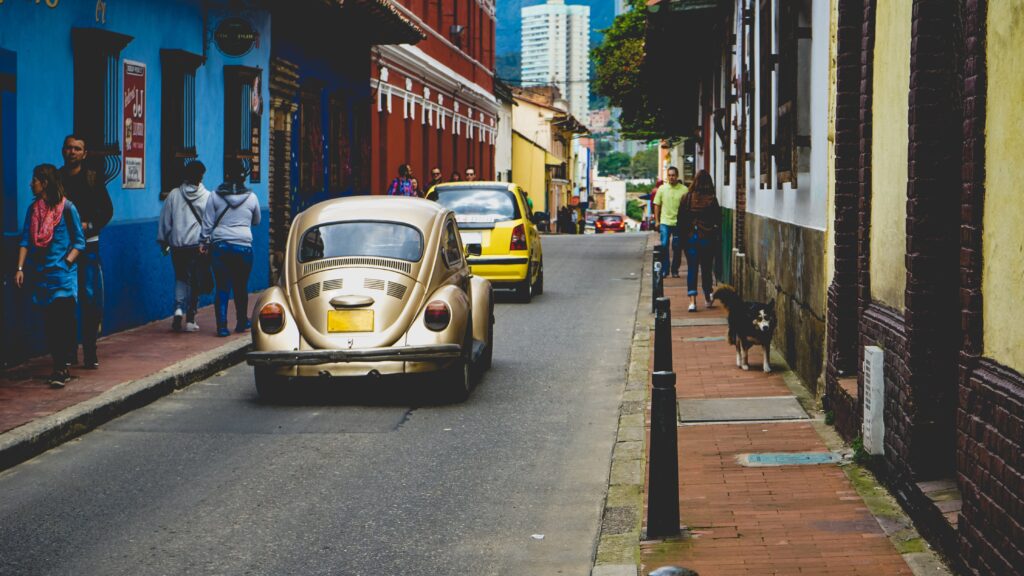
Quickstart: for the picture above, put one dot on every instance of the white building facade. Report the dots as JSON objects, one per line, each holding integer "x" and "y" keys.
{"x": 556, "y": 51}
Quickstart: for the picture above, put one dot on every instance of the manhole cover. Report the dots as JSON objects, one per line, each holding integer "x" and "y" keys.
{"x": 788, "y": 458}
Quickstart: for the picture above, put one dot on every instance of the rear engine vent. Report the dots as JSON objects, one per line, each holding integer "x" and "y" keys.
{"x": 311, "y": 291}
{"x": 334, "y": 284}
{"x": 397, "y": 290}
{"x": 373, "y": 284}
{"x": 321, "y": 265}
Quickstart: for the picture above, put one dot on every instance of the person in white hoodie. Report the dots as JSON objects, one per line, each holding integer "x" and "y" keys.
{"x": 181, "y": 222}
{"x": 227, "y": 234}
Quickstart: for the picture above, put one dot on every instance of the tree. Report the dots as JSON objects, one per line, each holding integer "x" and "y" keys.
{"x": 614, "y": 163}
{"x": 644, "y": 164}
{"x": 635, "y": 209}
{"x": 619, "y": 59}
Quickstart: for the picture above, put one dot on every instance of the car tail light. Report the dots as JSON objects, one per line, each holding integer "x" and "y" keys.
{"x": 272, "y": 318}
{"x": 518, "y": 238}
{"x": 599, "y": 223}
{"x": 437, "y": 316}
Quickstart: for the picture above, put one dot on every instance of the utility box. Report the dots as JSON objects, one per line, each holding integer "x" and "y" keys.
{"x": 873, "y": 426}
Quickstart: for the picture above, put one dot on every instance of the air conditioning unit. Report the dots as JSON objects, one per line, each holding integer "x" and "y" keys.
{"x": 873, "y": 426}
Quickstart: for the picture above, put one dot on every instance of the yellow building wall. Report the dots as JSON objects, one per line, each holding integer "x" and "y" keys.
{"x": 1002, "y": 279}
{"x": 528, "y": 171}
{"x": 889, "y": 141}
{"x": 830, "y": 202}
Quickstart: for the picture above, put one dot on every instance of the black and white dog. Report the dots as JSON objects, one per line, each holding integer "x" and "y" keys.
{"x": 750, "y": 323}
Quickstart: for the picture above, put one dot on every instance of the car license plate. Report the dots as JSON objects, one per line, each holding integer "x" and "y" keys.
{"x": 472, "y": 238}
{"x": 350, "y": 320}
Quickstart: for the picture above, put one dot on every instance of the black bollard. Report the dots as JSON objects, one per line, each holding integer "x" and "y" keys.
{"x": 656, "y": 274}
{"x": 663, "y": 486}
{"x": 662, "y": 335}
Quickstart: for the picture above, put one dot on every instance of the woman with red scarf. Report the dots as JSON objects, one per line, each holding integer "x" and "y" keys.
{"x": 50, "y": 243}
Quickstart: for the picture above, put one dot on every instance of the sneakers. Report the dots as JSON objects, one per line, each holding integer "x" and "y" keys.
{"x": 191, "y": 327}
{"x": 223, "y": 332}
{"x": 709, "y": 302}
{"x": 176, "y": 323}
{"x": 59, "y": 378}
{"x": 91, "y": 364}
{"x": 243, "y": 326}
{"x": 692, "y": 308}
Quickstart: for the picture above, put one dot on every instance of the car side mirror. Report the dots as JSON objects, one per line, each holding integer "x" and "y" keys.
{"x": 474, "y": 249}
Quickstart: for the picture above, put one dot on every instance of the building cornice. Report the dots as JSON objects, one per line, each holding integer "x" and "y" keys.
{"x": 411, "y": 58}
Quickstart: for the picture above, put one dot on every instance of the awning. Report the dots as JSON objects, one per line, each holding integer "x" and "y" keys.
{"x": 552, "y": 160}
{"x": 379, "y": 20}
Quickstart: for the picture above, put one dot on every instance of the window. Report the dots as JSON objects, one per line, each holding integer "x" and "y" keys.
{"x": 794, "y": 42}
{"x": 178, "y": 116}
{"x": 97, "y": 85}
{"x": 340, "y": 146}
{"x": 243, "y": 106}
{"x": 451, "y": 249}
{"x": 479, "y": 207}
{"x": 765, "y": 89}
{"x": 371, "y": 239}
{"x": 311, "y": 139}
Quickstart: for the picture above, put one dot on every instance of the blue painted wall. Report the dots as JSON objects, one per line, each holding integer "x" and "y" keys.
{"x": 138, "y": 278}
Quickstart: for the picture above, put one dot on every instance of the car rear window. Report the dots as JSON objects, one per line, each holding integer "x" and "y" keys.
{"x": 479, "y": 207}
{"x": 612, "y": 218}
{"x": 378, "y": 239}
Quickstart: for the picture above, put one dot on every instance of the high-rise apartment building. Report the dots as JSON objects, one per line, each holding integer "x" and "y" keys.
{"x": 556, "y": 51}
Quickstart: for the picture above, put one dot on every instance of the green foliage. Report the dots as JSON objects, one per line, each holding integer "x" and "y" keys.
{"x": 614, "y": 163}
{"x": 860, "y": 455}
{"x": 619, "y": 59}
{"x": 635, "y": 209}
{"x": 643, "y": 188}
{"x": 830, "y": 418}
{"x": 644, "y": 164}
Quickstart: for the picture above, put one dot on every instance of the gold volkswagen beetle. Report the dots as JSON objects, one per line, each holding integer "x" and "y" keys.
{"x": 373, "y": 286}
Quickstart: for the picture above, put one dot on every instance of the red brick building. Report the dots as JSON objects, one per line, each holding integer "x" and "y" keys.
{"x": 433, "y": 103}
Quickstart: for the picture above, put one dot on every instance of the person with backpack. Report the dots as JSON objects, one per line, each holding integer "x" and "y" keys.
{"x": 230, "y": 214}
{"x": 181, "y": 221}
{"x": 700, "y": 221}
{"x": 51, "y": 242}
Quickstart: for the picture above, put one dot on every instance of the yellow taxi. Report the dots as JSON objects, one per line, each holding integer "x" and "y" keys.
{"x": 497, "y": 217}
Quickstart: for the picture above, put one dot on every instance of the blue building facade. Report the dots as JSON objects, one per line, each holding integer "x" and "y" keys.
{"x": 186, "y": 79}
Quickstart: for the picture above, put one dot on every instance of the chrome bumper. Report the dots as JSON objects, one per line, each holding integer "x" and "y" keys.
{"x": 391, "y": 354}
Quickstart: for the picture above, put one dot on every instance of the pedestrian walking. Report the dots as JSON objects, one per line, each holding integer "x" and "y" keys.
{"x": 700, "y": 220}
{"x": 88, "y": 192}
{"x": 666, "y": 208}
{"x": 51, "y": 241}
{"x": 402, "y": 185}
{"x": 230, "y": 214}
{"x": 470, "y": 174}
{"x": 181, "y": 222}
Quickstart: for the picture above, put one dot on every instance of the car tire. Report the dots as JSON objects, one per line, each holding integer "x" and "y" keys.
{"x": 538, "y": 286}
{"x": 269, "y": 387}
{"x": 524, "y": 290}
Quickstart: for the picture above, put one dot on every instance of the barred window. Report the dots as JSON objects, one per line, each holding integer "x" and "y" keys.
{"x": 97, "y": 85}
{"x": 178, "y": 116}
{"x": 243, "y": 107}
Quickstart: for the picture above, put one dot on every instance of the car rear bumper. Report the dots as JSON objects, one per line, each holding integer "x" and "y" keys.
{"x": 281, "y": 358}
{"x": 501, "y": 268}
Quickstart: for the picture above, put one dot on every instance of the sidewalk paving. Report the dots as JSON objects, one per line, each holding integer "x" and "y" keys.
{"x": 137, "y": 366}
{"x": 739, "y": 519}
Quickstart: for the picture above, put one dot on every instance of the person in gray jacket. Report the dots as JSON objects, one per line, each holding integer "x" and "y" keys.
{"x": 181, "y": 221}
{"x": 230, "y": 215}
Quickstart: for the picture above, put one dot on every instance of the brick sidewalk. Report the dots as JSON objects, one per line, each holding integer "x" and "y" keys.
{"x": 757, "y": 520}
{"x": 124, "y": 357}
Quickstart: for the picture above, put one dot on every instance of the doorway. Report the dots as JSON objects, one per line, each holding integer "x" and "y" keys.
{"x": 8, "y": 188}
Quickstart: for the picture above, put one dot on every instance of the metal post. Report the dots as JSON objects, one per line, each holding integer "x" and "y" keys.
{"x": 656, "y": 274}
{"x": 662, "y": 335}
{"x": 663, "y": 492}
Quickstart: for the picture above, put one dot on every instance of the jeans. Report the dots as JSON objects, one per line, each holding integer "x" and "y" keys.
{"x": 59, "y": 328}
{"x": 669, "y": 232}
{"x": 186, "y": 280}
{"x": 90, "y": 298}
{"x": 231, "y": 266}
{"x": 699, "y": 253}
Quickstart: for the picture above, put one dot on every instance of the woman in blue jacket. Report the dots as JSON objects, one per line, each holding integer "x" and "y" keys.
{"x": 51, "y": 240}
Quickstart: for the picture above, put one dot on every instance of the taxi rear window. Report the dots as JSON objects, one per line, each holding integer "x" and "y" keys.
{"x": 479, "y": 207}
{"x": 375, "y": 239}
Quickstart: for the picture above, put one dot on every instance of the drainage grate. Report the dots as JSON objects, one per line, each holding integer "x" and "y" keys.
{"x": 789, "y": 458}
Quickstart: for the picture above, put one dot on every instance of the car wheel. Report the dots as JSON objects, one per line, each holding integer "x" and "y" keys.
{"x": 456, "y": 381}
{"x": 269, "y": 386}
{"x": 538, "y": 286}
{"x": 524, "y": 290}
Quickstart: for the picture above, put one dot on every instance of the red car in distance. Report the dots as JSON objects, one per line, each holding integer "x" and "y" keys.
{"x": 609, "y": 223}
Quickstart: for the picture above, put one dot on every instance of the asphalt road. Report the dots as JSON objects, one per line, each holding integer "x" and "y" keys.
{"x": 210, "y": 481}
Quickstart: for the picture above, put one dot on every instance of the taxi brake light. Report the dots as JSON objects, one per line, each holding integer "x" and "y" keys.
{"x": 518, "y": 241}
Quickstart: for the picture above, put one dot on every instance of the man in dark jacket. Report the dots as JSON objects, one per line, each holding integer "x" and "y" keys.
{"x": 87, "y": 190}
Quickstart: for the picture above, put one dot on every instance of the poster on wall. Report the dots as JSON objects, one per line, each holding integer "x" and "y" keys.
{"x": 256, "y": 110}
{"x": 133, "y": 153}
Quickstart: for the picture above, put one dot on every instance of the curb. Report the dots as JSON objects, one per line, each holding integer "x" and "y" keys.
{"x": 618, "y": 547}
{"x": 38, "y": 436}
